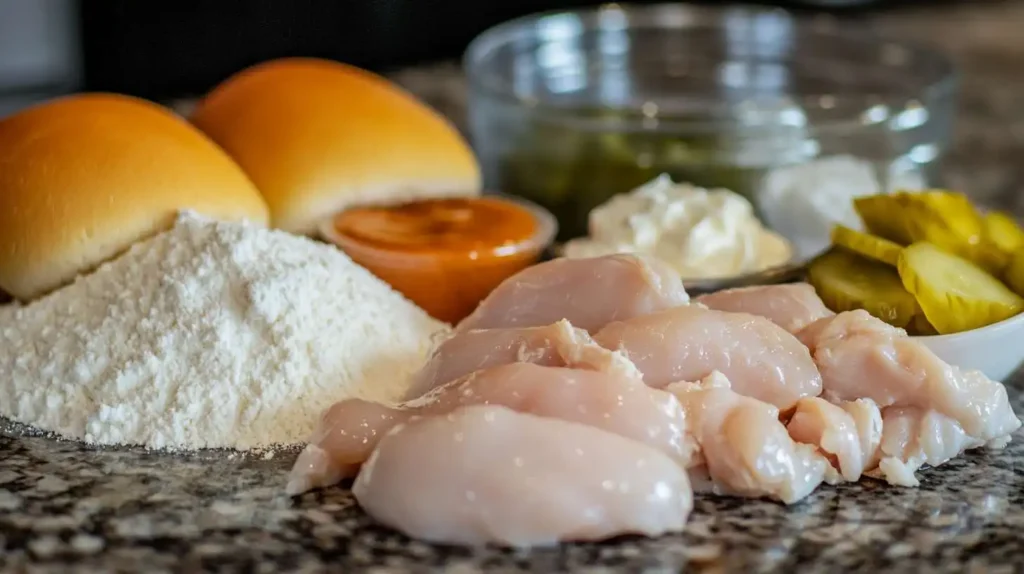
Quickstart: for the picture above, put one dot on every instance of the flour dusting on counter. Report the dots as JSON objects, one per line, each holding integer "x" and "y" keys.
{"x": 209, "y": 335}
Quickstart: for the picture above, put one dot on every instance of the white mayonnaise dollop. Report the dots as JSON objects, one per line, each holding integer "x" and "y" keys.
{"x": 702, "y": 233}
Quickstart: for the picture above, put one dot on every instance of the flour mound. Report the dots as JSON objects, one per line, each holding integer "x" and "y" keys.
{"x": 209, "y": 335}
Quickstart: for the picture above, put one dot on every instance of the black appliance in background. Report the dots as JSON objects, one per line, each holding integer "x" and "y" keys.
{"x": 169, "y": 49}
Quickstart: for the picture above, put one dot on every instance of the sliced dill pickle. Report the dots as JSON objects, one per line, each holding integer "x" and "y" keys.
{"x": 883, "y": 215}
{"x": 1001, "y": 231}
{"x": 945, "y": 219}
{"x": 943, "y": 214}
{"x": 1014, "y": 274}
{"x": 866, "y": 244}
{"x": 955, "y": 294}
{"x": 846, "y": 281}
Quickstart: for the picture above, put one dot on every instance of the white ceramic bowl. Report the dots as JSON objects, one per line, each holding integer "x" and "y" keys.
{"x": 996, "y": 350}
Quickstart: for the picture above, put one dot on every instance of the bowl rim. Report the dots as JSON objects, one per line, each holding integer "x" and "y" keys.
{"x": 542, "y": 238}
{"x": 944, "y": 84}
{"x": 961, "y": 337}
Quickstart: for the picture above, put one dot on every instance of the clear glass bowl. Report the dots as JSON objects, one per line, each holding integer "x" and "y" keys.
{"x": 569, "y": 108}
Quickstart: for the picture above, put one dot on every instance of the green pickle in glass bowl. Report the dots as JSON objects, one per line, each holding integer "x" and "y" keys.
{"x": 571, "y": 171}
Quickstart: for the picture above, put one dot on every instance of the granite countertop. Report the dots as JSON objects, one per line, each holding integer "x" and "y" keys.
{"x": 67, "y": 508}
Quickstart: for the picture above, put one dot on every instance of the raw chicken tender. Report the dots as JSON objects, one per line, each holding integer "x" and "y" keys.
{"x": 848, "y": 434}
{"x": 860, "y": 356}
{"x": 611, "y": 400}
{"x": 688, "y": 343}
{"x": 913, "y": 437}
{"x": 487, "y": 474}
{"x": 589, "y": 293}
{"x": 791, "y": 306}
{"x": 744, "y": 449}
{"x": 557, "y": 345}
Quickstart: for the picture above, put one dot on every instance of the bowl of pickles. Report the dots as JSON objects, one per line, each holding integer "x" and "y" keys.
{"x": 932, "y": 263}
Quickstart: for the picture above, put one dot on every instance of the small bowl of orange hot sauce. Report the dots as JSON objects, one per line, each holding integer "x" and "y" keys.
{"x": 444, "y": 254}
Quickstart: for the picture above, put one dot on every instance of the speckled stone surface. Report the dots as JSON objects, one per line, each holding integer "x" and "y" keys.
{"x": 65, "y": 508}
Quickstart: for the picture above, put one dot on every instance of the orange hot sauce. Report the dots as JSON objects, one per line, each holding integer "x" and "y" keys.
{"x": 445, "y": 255}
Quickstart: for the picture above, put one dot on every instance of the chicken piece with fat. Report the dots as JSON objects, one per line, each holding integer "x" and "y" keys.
{"x": 913, "y": 437}
{"x": 860, "y": 356}
{"x": 556, "y": 345}
{"x": 610, "y": 400}
{"x": 589, "y": 293}
{"x": 791, "y": 306}
{"x": 848, "y": 435}
{"x": 487, "y": 474}
{"x": 744, "y": 448}
{"x": 688, "y": 343}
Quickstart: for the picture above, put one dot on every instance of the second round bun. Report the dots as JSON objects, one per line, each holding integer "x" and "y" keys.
{"x": 317, "y": 136}
{"x": 84, "y": 177}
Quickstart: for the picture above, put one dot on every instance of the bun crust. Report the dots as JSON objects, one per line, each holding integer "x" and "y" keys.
{"x": 84, "y": 177}
{"x": 317, "y": 136}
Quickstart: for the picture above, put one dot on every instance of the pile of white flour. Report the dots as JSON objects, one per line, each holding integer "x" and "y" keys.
{"x": 209, "y": 335}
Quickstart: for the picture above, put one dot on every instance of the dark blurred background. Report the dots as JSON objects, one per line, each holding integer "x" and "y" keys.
{"x": 166, "y": 50}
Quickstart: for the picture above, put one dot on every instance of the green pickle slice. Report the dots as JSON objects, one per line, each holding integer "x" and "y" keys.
{"x": 1015, "y": 273}
{"x": 1001, "y": 231}
{"x": 866, "y": 244}
{"x": 945, "y": 219}
{"x": 954, "y": 294}
{"x": 846, "y": 281}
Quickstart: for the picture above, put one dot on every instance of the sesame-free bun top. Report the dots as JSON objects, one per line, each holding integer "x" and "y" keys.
{"x": 84, "y": 177}
{"x": 317, "y": 136}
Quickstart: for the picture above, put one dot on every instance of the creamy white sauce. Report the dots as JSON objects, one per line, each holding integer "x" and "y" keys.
{"x": 702, "y": 233}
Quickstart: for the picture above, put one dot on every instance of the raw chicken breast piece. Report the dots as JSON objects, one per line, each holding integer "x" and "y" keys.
{"x": 744, "y": 449}
{"x": 557, "y": 345}
{"x": 688, "y": 343}
{"x": 612, "y": 401}
{"x": 589, "y": 293}
{"x": 848, "y": 434}
{"x": 791, "y": 306}
{"x": 860, "y": 356}
{"x": 487, "y": 474}
{"x": 912, "y": 438}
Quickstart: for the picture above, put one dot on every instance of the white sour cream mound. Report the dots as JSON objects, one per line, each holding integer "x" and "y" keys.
{"x": 701, "y": 233}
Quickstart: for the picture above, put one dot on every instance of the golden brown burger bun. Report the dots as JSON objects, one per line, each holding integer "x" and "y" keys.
{"x": 317, "y": 136}
{"x": 84, "y": 177}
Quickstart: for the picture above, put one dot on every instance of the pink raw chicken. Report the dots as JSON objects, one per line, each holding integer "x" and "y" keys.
{"x": 913, "y": 437}
{"x": 589, "y": 293}
{"x": 557, "y": 345}
{"x": 744, "y": 449}
{"x": 792, "y": 306}
{"x": 688, "y": 343}
{"x": 860, "y": 356}
{"x": 611, "y": 400}
{"x": 487, "y": 474}
{"x": 848, "y": 434}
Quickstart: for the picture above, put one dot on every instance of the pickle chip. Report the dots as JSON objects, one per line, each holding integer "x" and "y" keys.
{"x": 1015, "y": 273}
{"x": 946, "y": 215}
{"x": 955, "y": 294}
{"x": 945, "y": 219}
{"x": 870, "y": 246}
{"x": 1001, "y": 231}
{"x": 845, "y": 282}
{"x": 883, "y": 216}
